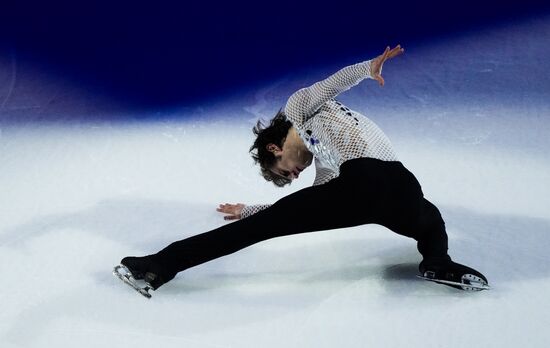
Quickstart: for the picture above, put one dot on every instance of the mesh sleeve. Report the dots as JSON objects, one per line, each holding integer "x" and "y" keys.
{"x": 253, "y": 209}
{"x": 304, "y": 103}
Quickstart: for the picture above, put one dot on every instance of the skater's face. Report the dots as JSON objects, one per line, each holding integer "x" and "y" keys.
{"x": 292, "y": 158}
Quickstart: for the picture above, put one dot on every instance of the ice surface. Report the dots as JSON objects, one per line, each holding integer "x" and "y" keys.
{"x": 469, "y": 116}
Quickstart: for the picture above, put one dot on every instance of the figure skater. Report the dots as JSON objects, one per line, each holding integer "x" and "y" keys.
{"x": 359, "y": 180}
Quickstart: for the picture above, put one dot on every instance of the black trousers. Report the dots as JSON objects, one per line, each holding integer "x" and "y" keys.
{"x": 367, "y": 191}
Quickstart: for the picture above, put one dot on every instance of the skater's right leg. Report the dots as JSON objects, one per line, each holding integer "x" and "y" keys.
{"x": 308, "y": 210}
{"x": 145, "y": 268}
{"x": 315, "y": 208}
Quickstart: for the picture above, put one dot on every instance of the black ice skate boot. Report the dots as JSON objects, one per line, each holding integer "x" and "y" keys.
{"x": 445, "y": 271}
{"x": 132, "y": 270}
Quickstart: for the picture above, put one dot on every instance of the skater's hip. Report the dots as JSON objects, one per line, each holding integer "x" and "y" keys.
{"x": 389, "y": 179}
{"x": 372, "y": 167}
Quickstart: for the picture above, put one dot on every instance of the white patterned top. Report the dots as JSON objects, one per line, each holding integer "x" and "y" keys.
{"x": 330, "y": 130}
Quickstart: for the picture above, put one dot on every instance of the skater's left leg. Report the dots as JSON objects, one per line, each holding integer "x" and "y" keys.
{"x": 408, "y": 213}
{"x": 433, "y": 245}
{"x": 412, "y": 215}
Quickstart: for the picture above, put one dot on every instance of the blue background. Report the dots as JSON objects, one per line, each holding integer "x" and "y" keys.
{"x": 158, "y": 54}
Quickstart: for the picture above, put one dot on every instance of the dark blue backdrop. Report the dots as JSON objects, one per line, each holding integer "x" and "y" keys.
{"x": 163, "y": 53}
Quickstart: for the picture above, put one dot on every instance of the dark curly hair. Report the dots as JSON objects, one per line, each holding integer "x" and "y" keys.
{"x": 276, "y": 134}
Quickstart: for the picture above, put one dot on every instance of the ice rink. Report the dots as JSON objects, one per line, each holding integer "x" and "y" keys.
{"x": 469, "y": 116}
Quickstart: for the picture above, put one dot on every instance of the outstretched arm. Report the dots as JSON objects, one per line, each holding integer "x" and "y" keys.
{"x": 305, "y": 102}
{"x": 240, "y": 211}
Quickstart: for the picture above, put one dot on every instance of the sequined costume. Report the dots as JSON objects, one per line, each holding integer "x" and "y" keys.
{"x": 330, "y": 130}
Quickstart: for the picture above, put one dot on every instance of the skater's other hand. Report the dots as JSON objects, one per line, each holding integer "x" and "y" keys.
{"x": 234, "y": 210}
{"x": 378, "y": 62}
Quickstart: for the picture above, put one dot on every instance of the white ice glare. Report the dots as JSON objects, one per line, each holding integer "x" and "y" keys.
{"x": 468, "y": 116}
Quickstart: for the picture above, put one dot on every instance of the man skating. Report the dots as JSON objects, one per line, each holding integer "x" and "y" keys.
{"x": 353, "y": 158}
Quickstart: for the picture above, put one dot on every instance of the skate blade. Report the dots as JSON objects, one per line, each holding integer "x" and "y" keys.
{"x": 469, "y": 282}
{"x": 124, "y": 274}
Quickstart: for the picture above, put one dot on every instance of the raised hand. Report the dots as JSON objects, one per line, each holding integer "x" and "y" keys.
{"x": 234, "y": 210}
{"x": 378, "y": 62}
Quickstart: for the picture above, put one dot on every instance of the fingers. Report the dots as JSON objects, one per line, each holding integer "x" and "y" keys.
{"x": 380, "y": 80}
{"x": 381, "y": 58}
{"x": 397, "y": 50}
{"x": 231, "y": 206}
{"x": 390, "y": 53}
{"x": 230, "y": 209}
{"x": 226, "y": 208}
{"x": 379, "y": 61}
